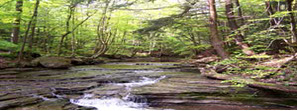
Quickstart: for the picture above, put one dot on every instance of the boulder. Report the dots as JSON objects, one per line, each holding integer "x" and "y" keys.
{"x": 78, "y": 61}
{"x": 52, "y": 62}
{"x": 86, "y": 61}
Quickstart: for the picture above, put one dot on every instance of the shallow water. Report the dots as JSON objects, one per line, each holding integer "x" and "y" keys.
{"x": 129, "y": 86}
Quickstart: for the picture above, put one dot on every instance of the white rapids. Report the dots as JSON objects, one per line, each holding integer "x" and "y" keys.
{"x": 143, "y": 82}
{"x": 118, "y": 104}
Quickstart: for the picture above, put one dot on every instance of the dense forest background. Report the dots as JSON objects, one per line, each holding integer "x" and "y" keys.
{"x": 244, "y": 42}
{"x": 185, "y": 28}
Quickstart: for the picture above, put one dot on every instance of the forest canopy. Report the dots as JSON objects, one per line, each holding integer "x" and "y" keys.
{"x": 181, "y": 28}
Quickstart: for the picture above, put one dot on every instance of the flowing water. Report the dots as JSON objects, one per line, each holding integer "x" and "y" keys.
{"x": 128, "y": 86}
{"x": 126, "y": 102}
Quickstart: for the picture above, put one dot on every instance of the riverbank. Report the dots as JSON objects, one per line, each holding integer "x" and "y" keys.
{"x": 65, "y": 62}
{"x": 240, "y": 72}
{"x": 49, "y": 62}
{"x": 270, "y": 74}
{"x": 132, "y": 85}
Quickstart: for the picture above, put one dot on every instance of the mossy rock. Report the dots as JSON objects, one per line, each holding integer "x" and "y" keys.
{"x": 52, "y": 62}
{"x": 86, "y": 61}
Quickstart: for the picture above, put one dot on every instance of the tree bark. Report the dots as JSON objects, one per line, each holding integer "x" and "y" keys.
{"x": 17, "y": 22}
{"x": 73, "y": 38}
{"x": 34, "y": 22}
{"x": 71, "y": 31}
{"x": 241, "y": 19}
{"x": 292, "y": 21}
{"x": 104, "y": 36}
{"x": 270, "y": 12}
{"x": 71, "y": 11}
{"x": 216, "y": 42}
{"x": 20, "y": 57}
{"x": 234, "y": 27}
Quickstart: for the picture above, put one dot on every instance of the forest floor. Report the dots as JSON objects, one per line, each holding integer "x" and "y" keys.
{"x": 275, "y": 74}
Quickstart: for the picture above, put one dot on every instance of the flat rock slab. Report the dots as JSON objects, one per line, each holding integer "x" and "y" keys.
{"x": 18, "y": 102}
{"x": 8, "y": 72}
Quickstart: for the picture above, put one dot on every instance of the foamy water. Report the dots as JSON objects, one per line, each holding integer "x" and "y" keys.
{"x": 118, "y": 104}
{"x": 145, "y": 81}
{"x": 111, "y": 104}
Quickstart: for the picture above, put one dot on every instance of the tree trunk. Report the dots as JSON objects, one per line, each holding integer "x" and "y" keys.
{"x": 240, "y": 15}
{"x": 194, "y": 41}
{"x": 34, "y": 22}
{"x": 73, "y": 29}
{"x": 20, "y": 57}
{"x": 71, "y": 9}
{"x": 104, "y": 35}
{"x": 293, "y": 22}
{"x": 234, "y": 27}
{"x": 73, "y": 38}
{"x": 270, "y": 11}
{"x": 17, "y": 22}
{"x": 216, "y": 42}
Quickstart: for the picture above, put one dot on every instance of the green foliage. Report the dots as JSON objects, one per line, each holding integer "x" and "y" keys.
{"x": 243, "y": 67}
{"x": 7, "y": 55}
{"x": 175, "y": 32}
{"x": 259, "y": 57}
{"x": 233, "y": 61}
{"x": 7, "y": 46}
{"x": 236, "y": 82}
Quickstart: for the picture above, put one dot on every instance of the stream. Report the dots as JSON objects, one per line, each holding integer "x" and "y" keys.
{"x": 129, "y": 86}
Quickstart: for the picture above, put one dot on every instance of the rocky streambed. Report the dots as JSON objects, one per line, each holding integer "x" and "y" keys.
{"x": 130, "y": 86}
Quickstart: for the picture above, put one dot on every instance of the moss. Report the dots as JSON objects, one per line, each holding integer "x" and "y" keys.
{"x": 264, "y": 84}
{"x": 120, "y": 66}
{"x": 241, "y": 82}
{"x": 245, "y": 98}
{"x": 176, "y": 73}
{"x": 205, "y": 94}
{"x": 77, "y": 75}
{"x": 194, "y": 96}
{"x": 7, "y": 55}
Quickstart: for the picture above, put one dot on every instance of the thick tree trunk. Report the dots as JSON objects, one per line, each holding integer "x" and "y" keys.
{"x": 20, "y": 57}
{"x": 216, "y": 42}
{"x": 293, "y": 22}
{"x": 234, "y": 27}
{"x": 17, "y": 22}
